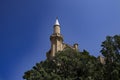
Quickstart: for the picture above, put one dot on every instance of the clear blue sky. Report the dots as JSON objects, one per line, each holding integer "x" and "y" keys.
{"x": 25, "y": 27}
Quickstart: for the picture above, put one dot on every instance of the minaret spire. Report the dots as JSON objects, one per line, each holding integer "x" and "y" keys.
{"x": 57, "y": 22}
{"x": 56, "y": 26}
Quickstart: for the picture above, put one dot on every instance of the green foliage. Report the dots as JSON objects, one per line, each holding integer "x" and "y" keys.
{"x": 111, "y": 52}
{"x": 66, "y": 65}
{"x": 73, "y": 65}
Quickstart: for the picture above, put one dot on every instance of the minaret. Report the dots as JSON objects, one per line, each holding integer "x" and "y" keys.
{"x": 56, "y": 40}
{"x": 56, "y": 27}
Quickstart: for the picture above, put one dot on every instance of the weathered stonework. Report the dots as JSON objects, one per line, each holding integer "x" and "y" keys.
{"x": 101, "y": 59}
{"x": 57, "y": 42}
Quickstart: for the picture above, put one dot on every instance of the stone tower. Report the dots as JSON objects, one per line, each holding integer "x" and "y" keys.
{"x": 57, "y": 41}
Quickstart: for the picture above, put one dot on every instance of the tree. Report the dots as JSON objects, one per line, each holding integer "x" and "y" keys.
{"x": 66, "y": 65}
{"x": 111, "y": 52}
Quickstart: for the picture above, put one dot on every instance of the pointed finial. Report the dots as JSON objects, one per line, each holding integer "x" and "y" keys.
{"x": 57, "y": 22}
